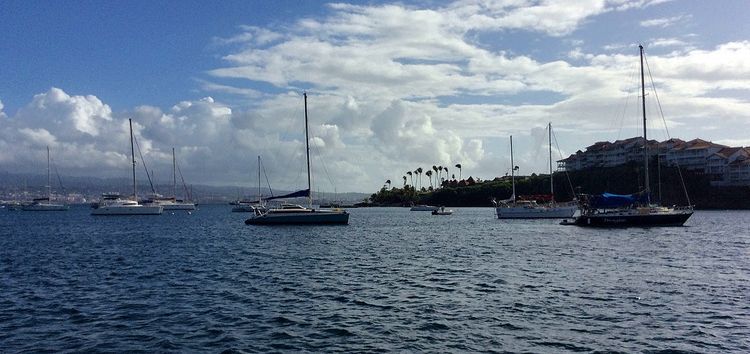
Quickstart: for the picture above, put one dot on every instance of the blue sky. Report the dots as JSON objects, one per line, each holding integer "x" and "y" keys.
{"x": 393, "y": 86}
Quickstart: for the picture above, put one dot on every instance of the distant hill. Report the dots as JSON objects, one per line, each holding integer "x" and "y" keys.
{"x": 14, "y": 186}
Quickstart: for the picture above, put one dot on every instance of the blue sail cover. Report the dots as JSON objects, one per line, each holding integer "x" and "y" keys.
{"x": 609, "y": 200}
{"x": 297, "y": 194}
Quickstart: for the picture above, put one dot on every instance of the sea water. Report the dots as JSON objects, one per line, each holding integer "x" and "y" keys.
{"x": 391, "y": 280}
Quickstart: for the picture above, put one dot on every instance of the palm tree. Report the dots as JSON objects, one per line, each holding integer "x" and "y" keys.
{"x": 411, "y": 177}
{"x": 440, "y": 171}
{"x": 404, "y": 180}
{"x": 458, "y": 166}
{"x": 446, "y": 173}
{"x": 419, "y": 170}
{"x": 389, "y": 183}
{"x": 429, "y": 174}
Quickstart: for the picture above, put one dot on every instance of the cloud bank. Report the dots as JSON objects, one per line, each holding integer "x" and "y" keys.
{"x": 392, "y": 88}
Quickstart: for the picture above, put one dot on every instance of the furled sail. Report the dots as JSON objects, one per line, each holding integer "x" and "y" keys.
{"x": 297, "y": 194}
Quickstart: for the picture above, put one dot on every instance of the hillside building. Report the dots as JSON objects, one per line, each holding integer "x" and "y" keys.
{"x": 724, "y": 165}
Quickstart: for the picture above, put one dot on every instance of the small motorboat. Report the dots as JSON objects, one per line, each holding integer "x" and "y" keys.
{"x": 442, "y": 211}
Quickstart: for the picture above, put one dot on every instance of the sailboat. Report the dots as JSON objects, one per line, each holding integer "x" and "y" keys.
{"x": 45, "y": 203}
{"x": 114, "y": 204}
{"x": 607, "y": 210}
{"x": 172, "y": 203}
{"x": 244, "y": 206}
{"x": 297, "y": 214}
{"x": 529, "y": 209}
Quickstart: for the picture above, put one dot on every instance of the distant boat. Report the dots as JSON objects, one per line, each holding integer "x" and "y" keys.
{"x": 513, "y": 208}
{"x": 442, "y": 211}
{"x": 422, "y": 207}
{"x": 297, "y": 214}
{"x": 251, "y": 206}
{"x": 608, "y": 210}
{"x": 244, "y": 206}
{"x": 45, "y": 203}
{"x": 171, "y": 203}
{"x": 114, "y": 204}
{"x": 14, "y": 206}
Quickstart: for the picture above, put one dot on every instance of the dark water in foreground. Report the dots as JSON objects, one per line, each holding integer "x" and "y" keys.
{"x": 392, "y": 280}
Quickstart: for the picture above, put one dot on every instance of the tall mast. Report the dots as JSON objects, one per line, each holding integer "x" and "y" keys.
{"x": 49, "y": 183}
{"x": 645, "y": 140}
{"x": 307, "y": 150}
{"x": 174, "y": 176}
{"x": 259, "y": 196}
{"x": 132, "y": 156}
{"x": 551, "y": 182}
{"x": 512, "y": 171}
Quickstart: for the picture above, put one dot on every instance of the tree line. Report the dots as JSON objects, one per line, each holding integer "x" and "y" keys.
{"x": 665, "y": 182}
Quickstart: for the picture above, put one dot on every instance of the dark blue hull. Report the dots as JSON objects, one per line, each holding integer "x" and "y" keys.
{"x": 307, "y": 218}
{"x": 603, "y": 220}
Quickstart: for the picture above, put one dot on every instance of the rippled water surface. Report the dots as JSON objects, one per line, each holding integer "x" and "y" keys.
{"x": 392, "y": 280}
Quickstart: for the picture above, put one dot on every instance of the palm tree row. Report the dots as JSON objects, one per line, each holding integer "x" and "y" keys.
{"x": 436, "y": 171}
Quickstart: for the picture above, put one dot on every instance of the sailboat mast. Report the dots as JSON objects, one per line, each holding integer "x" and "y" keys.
{"x": 512, "y": 171}
{"x": 645, "y": 140}
{"x": 307, "y": 150}
{"x": 551, "y": 182}
{"x": 132, "y": 156}
{"x": 49, "y": 183}
{"x": 259, "y": 196}
{"x": 174, "y": 175}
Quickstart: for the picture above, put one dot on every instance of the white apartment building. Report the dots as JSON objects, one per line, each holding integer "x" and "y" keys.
{"x": 724, "y": 165}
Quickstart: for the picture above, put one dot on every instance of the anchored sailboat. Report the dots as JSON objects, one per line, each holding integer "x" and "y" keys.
{"x": 297, "y": 214}
{"x": 529, "y": 209}
{"x": 114, "y": 204}
{"x": 172, "y": 203}
{"x": 45, "y": 203}
{"x": 244, "y": 206}
{"x": 635, "y": 209}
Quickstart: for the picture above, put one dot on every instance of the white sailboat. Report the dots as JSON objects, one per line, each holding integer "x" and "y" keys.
{"x": 45, "y": 203}
{"x": 172, "y": 203}
{"x": 297, "y": 214}
{"x": 114, "y": 204}
{"x": 529, "y": 209}
{"x": 251, "y": 206}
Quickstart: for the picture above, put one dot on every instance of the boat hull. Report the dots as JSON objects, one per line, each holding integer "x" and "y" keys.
{"x": 45, "y": 207}
{"x": 302, "y": 218}
{"x": 535, "y": 212}
{"x": 439, "y": 212}
{"x": 648, "y": 220}
{"x": 128, "y": 210}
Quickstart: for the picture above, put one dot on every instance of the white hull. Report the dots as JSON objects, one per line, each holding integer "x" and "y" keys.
{"x": 128, "y": 210}
{"x": 45, "y": 207}
{"x": 535, "y": 212}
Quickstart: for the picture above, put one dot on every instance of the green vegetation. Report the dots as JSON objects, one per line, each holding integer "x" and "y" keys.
{"x": 624, "y": 179}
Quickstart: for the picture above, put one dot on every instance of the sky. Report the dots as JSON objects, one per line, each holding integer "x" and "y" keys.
{"x": 392, "y": 86}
